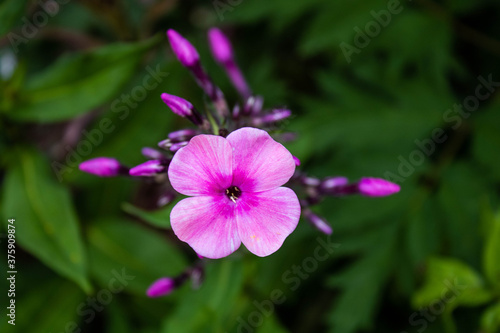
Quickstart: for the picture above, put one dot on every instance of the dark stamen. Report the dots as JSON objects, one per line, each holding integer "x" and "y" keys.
{"x": 223, "y": 132}
{"x": 233, "y": 193}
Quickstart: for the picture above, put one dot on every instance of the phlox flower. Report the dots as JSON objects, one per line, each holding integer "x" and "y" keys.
{"x": 234, "y": 184}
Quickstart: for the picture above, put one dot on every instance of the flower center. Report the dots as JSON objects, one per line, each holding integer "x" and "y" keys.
{"x": 233, "y": 193}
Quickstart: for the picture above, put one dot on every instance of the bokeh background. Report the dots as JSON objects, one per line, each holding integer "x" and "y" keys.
{"x": 400, "y": 90}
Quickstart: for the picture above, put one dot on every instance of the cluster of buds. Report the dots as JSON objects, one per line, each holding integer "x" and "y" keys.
{"x": 220, "y": 119}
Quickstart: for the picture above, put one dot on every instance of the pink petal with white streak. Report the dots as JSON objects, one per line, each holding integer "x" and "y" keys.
{"x": 207, "y": 224}
{"x": 265, "y": 219}
{"x": 203, "y": 167}
{"x": 259, "y": 162}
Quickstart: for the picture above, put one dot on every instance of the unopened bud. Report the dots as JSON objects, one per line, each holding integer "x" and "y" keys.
{"x": 149, "y": 168}
{"x": 161, "y": 287}
{"x": 377, "y": 187}
{"x": 103, "y": 167}
{"x": 318, "y": 222}
{"x": 183, "y": 49}
{"x": 220, "y": 46}
{"x": 152, "y": 153}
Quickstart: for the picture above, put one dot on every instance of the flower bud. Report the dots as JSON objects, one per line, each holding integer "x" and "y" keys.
{"x": 178, "y": 105}
{"x": 176, "y": 146}
{"x": 166, "y": 198}
{"x": 103, "y": 167}
{"x": 149, "y": 168}
{"x": 161, "y": 287}
{"x": 223, "y": 54}
{"x": 318, "y": 222}
{"x": 275, "y": 116}
{"x": 377, "y": 187}
{"x": 220, "y": 46}
{"x": 152, "y": 153}
{"x": 182, "y": 135}
{"x": 183, "y": 49}
{"x": 333, "y": 182}
{"x": 253, "y": 105}
{"x": 309, "y": 181}
{"x": 197, "y": 275}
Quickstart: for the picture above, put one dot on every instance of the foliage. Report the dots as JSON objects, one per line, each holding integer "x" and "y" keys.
{"x": 389, "y": 109}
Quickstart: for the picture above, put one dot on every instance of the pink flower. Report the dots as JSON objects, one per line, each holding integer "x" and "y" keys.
{"x": 236, "y": 195}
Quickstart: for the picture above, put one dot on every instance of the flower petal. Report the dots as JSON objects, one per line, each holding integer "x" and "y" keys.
{"x": 265, "y": 219}
{"x": 203, "y": 167}
{"x": 207, "y": 224}
{"x": 259, "y": 162}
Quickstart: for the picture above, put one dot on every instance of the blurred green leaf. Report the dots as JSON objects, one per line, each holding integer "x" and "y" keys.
{"x": 11, "y": 12}
{"x": 250, "y": 11}
{"x": 117, "y": 320}
{"x": 159, "y": 218}
{"x": 35, "y": 316}
{"x": 141, "y": 122}
{"x": 459, "y": 197}
{"x": 423, "y": 234}
{"x": 486, "y": 140}
{"x": 490, "y": 320}
{"x": 46, "y": 224}
{"x": 334, "y": 24}
{"x": 447, "y": 276}
{"x": 364, "y": 279}
{"x": 465, "y": 6}
{"x": 78, "y": 83}
{"x": 216, "y": 306}
{"x": 119, "y": 246}
{"x": 390, "y": 122}
{"x": 11, "y": 86}
{"x": 272, "y": 325}
{"x": 491, "y": 258}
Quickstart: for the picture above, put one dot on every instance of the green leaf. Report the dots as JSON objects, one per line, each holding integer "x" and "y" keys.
{"x": 459, "y": 197}
{"x": 490, "y": 320}
{"x": 122, "y": 247}
{"x": 49, "y": 307}
{"x": 491, "y": 258}
{"x": 46, "y": 224}
{"x": 11, "y": 12}
{"x": 452, "y": 282}
{"x": 363, "y": 280}
{"x": 215, "y": 306}
{"x": 78, "y": 83}
{"x": 335, "y": 23}
{"x": 272, "y": 325}
{"x": 159, "y": 218}
{"x": 117, "y": 320}
{"x": 486, "y": 140}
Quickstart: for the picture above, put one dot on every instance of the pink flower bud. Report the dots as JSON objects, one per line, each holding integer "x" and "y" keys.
{"x": 333, "y": 182}
{"x": 161, "y": 287}
{"x": 176, "y": 146}
{"x": 376, "y": 187}
{"x": 220, "y": 46}
{"x": 318, "y": 222}
{"x": 275, "y": 116}
{"x": 149, "y": 168}
{"x": 152, "y": 153}
{"x": 178, "y": 105}
{"x": 182, "y": 135}
{"x": 102, "y": 167}
{"x": 184, "y": 51}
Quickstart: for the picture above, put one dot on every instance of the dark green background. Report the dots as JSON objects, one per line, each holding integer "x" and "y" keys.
{"x": 424, "y": 260}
